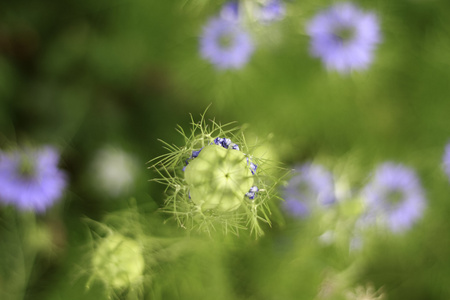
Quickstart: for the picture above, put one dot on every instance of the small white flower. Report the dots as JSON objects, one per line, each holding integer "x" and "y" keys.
{"x": 114, "y": 171}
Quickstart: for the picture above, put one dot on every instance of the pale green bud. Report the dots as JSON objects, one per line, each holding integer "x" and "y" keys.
{"x": 219, "y": 178}
{"x": 215, "y": 182}
{"x": 118, "y": 261}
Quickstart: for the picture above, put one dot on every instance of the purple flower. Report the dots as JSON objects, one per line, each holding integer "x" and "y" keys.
{"x": 251, "y": 194}
{"x": 394, "y": 197}
{"x": 344, "y": 37}
{"x": 446, "y": 160}
{"x": 271, "y": 11}
{"x": 252, "y": 166}
{"x": 230, "y": 11}
{"x": 312, "y": 186}
{"x": 225, "y": 44}
{"x": 195, "y": 153}
{"x": 226, "y": 143}
{"x": 30, "y": 179}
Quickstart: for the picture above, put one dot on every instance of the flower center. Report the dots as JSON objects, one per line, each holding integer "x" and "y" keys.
{"x": 344, "y": 34}
{"x": 26, "y": 167}
{"x": 305, "y": 190}
{"x": 218, "y": 178}
{"x": 226, "y": 40}
{"x": 394, "y": 198}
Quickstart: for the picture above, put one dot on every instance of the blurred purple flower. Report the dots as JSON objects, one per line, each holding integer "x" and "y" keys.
{"x": 311, "y": 187}
{"x": 230, "y": 11}
{"x": 30, "y": 179}
{"x": 225, "y": 44}
{"x": 394, "y": 197}
{"x": 271, "y": 11}
{"x": 446, "y": 160}
{"x": 344, "y": 37}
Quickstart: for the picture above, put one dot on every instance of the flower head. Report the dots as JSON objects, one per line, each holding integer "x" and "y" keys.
{"x": 394, "y": 197}
{"x": 118, "y": 261}
{"x": 218, "y": 178}
{"x": 225, "y": 44}
{"x": 230, "y": 11}
{"x": 312, "y": 186}
{"x": 344, "y": 37}
{"x": 213, "y": 182}
{"x": 223, "y": 170}
{"x": 270, "y": 11}
{"x": 30, "y": 179}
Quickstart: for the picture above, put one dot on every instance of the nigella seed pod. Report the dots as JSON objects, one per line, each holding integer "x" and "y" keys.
{"x": 218, "y": 178}
{"x": 217, "y": 182}
{"x": 228, "y": 176}
{"x": 118, "y": 261}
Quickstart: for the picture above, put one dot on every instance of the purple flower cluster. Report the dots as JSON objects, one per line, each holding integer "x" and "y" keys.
{"x": 30, "y": 179}
{"x": 225, "y": 42}
{"x": 344, "y": 37}
{"x": 311, "y": 187}
{"x": 394, "y": 197}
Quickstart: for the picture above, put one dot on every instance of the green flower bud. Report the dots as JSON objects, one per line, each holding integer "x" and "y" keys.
{"x": 214, "y": 181}
{"x": 219, "y": 178}
{"x": 118, "y": 261}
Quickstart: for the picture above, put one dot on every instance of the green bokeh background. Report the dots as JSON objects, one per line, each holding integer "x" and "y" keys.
{"x": 82, "y": 74}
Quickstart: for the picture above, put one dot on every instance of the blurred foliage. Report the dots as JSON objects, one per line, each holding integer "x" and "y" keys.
{"x": 84, "y": 74}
